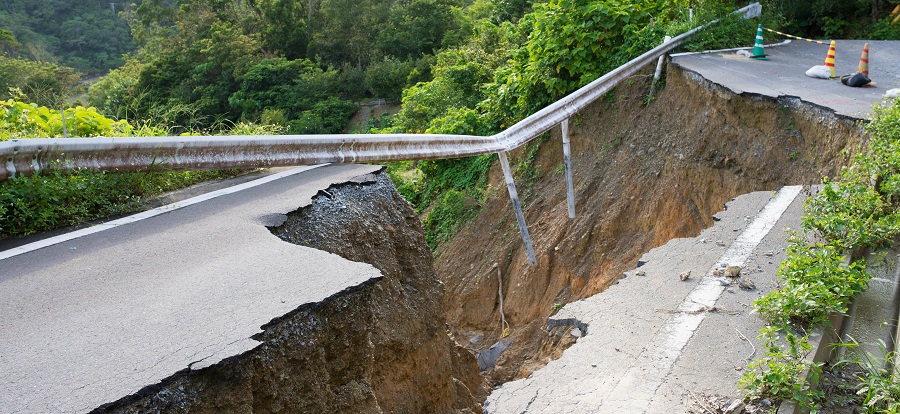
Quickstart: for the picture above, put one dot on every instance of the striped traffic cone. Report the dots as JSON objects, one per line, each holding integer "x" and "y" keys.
{"x": 864, "y": 61}
{"x": 861, "y": 77}
{"x": 829, "y": 59}
{"x": 758, "y": 51}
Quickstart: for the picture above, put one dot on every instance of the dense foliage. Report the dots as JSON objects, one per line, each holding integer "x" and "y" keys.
{"x": 298, "y": 64}
{"x": 86, "y": 35}
{"x": 21, "y": 120}
{"x": 43, "y": 83}
{"x": 830, "y": 19}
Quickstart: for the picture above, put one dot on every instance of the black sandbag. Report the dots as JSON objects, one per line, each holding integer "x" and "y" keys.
{"x": 855, "y": 80}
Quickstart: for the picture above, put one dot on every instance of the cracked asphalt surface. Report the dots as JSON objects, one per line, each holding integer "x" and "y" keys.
{"x": 94, "y": 319}
{"x": 619, "y": 366}
{"x": 784, "y": 73}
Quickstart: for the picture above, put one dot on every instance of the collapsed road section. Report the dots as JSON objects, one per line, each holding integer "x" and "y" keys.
{"x": 678, "y": 326}
{"x": 204, "y": 309}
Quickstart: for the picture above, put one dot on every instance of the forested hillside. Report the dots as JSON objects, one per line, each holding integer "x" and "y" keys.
{"x": 88, "y": 36}
{"x": 298, "y": 64}
{"x": 302, "y": 66}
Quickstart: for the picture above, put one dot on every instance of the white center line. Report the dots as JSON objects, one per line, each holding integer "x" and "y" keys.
{"x": 638, "y": 386}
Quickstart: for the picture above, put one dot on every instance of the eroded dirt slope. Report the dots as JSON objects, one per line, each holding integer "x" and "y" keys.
{"x": 380, "y": 347}
{"x": 644, "y": 174}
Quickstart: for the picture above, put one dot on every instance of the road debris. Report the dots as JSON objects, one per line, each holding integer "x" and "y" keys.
{"x": 732, "y": 271}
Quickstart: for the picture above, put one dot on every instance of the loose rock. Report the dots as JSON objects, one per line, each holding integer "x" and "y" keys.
{"x": 734, "y": 407}
{"x": 685, "y": 275}
{"x": 733, "y": 271}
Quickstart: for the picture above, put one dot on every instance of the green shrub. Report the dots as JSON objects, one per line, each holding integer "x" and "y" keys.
{"x": 387, "y": 78}
{"x": 781, "y": 374}
{"x": 54, "y": 198}
{"x": 860, "y": 210}
{"x": 21, "y": 120}
{"x": 326, "y": 117}
{"x": 815, "y": 282}
{"x": 113, "y": 94}
{"x": 42, "y": 83}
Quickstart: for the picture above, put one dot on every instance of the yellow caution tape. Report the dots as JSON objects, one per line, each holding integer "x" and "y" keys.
{"x": 797, "y": 37}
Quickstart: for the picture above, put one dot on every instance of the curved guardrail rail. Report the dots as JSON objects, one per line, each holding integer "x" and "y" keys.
{"x": 28, "y": 156}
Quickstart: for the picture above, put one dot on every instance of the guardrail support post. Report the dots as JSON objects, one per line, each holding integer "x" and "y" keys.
{"x": 517, "y": 206}
{"x": 567, "y": 159}
{"x": 659, "y": 64}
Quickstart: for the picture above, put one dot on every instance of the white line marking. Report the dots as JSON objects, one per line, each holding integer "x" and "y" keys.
{"x": 40, "y": 244}
{"x": 638, "y": 386}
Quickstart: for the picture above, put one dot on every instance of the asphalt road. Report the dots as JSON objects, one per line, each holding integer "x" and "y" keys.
{"x": 784, "y": 73}
{"x": 655, "y": 343}
{"x": 96, "y": 318}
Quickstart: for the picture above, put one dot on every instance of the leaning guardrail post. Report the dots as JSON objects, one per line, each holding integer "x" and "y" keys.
{"x": 659, "y": 64}
{"x": 567, "y": 159}
{"x": 517, "y": 206}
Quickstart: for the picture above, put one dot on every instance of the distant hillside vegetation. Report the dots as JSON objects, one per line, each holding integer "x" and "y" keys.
{"x": 88, "y": 36}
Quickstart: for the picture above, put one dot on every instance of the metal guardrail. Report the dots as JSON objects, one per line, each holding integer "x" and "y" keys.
{"x": 28, "y": 156}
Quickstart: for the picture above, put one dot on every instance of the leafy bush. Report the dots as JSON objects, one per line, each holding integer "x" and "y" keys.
{"x": 573, "y": 40}
{"x": 456, "y": 85}
{"x": 21, "y": 120}
{"x": 852, "y": 214}
{"x": 113, "y": 94}
{"x": 386, "y": 79}
{"x": 835, "y": 19}
{"x": 779, "y": 376}
{"x": 45, "y": 84}
{"x": 859, "y": 210}
{"x": 862, "y": 209}
{"x": 882, "y": 29}
{"x": 815, "y": 282}
{"x": 54, "y": 198}
{"x": 326, "y": 117}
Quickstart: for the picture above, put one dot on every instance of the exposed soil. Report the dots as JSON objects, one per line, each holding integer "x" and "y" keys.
{"x": 644, "y": 174}
{"x": 378, "y": 347}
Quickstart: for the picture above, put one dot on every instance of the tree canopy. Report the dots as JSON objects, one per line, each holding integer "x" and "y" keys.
{"x": 87, "y": 36}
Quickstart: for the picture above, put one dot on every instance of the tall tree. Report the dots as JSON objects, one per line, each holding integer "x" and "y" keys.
{"x": 346, "y": 28}
{"x": 286, "y": 26}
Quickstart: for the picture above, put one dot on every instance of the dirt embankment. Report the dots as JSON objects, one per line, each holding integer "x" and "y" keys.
{"x": 379, "y": 347}
{"x": 644, "y": 174}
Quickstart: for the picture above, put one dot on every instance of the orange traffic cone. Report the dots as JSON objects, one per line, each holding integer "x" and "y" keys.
{"x": 861, "y": 77}
{"x": 864, "y": 61}
{"x": 829, "y": 59}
